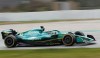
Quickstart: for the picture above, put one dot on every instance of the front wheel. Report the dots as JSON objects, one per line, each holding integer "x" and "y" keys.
{"x": 68, "y": 40}
{"x": 79, "y": 33}
{"x": 10, "y": 41}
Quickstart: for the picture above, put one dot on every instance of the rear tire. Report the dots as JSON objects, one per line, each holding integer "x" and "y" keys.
{"x": 68, "y": 40}
{"x": 10, "y": 41}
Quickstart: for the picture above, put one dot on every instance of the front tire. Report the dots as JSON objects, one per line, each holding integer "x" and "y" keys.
{"x": 79, "y": 33}
{"x": 10, "y": 41}
{"x": 68, "y": 40}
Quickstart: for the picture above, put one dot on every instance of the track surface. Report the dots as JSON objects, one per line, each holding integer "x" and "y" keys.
{"x": 88, "y": 27}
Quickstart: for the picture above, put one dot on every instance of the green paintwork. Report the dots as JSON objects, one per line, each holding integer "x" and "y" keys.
{"x": 39, "y": 34}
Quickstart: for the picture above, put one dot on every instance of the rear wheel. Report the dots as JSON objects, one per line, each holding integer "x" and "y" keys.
{"x": 68, "y": 40}
{"x": 10, "y": 41}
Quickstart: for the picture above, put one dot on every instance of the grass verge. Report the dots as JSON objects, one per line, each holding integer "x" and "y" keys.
{"x": 24, "y": 22}
{"x": 52, "y": 53}
{"x": 40, "y": 21}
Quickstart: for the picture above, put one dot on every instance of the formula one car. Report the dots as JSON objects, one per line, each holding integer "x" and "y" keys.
{"x": 41, "y": 37}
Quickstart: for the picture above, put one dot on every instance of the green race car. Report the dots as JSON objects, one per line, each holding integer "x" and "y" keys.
{"x": 39, "y": 37}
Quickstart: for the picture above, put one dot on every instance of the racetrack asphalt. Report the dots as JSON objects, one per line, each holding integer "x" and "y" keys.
{"x": 88, "y": 27}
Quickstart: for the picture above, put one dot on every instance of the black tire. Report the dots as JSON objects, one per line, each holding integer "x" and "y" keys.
{"x": 91, "y": 36}
{"x": 68, "y": 40}
{"x": 79, "y": 33}
{"x": 10, "y": 41}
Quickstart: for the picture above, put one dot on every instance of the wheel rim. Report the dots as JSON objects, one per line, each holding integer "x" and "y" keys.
{"x": 67, "y": 40}
{"x": 9, "y": 41}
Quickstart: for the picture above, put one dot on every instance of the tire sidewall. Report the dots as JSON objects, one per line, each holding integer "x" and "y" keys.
{"x": 72, "y": 38}
{"x": 14, "y": 41}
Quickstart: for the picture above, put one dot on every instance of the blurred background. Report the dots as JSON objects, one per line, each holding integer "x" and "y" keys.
{"x": 47, "y": 5}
